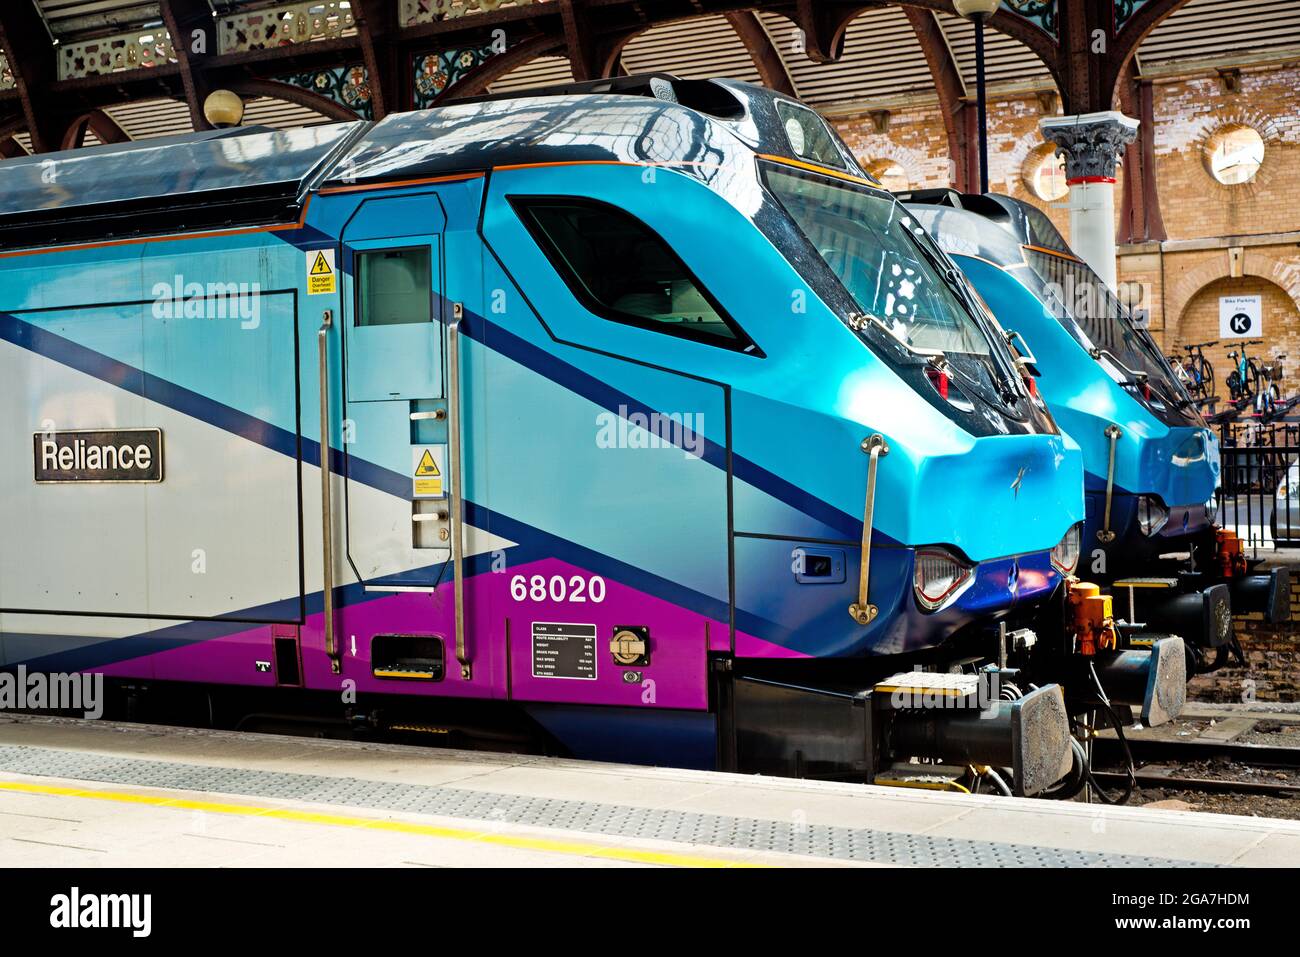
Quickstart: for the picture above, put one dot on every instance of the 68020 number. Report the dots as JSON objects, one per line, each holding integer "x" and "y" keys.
{"x": 576, "y": 588}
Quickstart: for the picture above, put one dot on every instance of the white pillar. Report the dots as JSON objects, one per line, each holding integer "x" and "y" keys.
{"x": 1092, "y": 144}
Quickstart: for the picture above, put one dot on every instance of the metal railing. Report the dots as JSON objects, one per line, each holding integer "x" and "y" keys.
{"x": 1260, "y": 495}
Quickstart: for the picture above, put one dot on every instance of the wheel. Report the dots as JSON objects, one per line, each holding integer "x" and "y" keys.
{"x": 1207, "y": 379}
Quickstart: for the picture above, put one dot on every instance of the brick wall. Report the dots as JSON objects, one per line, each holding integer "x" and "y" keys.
{"x": 1220, "y": 237}
{"x": 1199, "y": 322}
{"x": 1187, "y": 113}
{"x": 917, "y": 141}
{"x": 1272, "y": 671}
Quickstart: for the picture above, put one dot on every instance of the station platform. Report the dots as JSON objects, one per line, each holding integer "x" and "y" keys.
{"x": 97, "y": 793}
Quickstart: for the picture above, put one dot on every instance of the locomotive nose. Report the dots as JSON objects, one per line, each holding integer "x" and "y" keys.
{"x": 1188, "y": 462}
{"x": 1005, "y": 495}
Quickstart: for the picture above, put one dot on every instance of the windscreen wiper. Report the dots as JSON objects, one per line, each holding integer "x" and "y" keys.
{"x": 1006, "y": 389}
{"x": 1135, "y": 378}
{"x": 936, "y": 358}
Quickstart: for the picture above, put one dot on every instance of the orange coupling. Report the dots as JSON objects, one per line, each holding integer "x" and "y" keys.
{"x": 1093, "y": 619}
{"x": 1232, "y": 559}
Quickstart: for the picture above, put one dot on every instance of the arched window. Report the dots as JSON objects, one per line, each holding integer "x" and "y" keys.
{"x": 1044, "y": 174}
{"x": 891, "y": 174}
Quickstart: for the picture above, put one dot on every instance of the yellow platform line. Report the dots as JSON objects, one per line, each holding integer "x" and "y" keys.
{"x": 575, "y": 848}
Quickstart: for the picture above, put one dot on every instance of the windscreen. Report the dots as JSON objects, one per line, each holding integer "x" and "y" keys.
{"x": 1101, "y": 316}
{"x": 897, "y": 277}
{"x": 1104, "y": 319}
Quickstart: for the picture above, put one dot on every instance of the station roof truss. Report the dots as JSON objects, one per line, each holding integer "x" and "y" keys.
{"x": 81, "y": 72}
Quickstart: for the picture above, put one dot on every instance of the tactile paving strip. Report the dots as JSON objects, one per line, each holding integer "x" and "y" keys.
{"x": 658, "y": 824}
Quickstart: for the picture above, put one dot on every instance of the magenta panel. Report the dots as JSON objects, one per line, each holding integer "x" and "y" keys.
{"x": 677, "y": 676}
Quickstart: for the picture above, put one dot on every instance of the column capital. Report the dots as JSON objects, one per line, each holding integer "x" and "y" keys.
{"x": 1091, "y": 143}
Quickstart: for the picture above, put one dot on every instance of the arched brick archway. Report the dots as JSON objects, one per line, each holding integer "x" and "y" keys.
{"x": 1198, "y": 320}
{"x": 1218, "y": 265}
{"x": 1282, "y": 272}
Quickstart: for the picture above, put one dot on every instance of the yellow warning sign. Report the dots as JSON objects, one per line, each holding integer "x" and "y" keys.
{"x": 428, "y": 463}
{"x": 427, "y": 466}
{"x": 320, "y": 271}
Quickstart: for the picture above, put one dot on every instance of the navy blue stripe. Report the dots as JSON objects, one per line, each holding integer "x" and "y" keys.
{"x": 25, "y": 335}
{"x": 112, "y": 650}
{"x": 546, "y": 364}
{"x": 76, "y": 356}
{"x": 533, "y": 545}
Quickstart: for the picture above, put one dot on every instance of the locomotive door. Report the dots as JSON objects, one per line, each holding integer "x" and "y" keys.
{"x": 395, "y": 400}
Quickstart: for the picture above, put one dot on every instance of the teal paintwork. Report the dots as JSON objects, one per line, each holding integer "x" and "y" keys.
{"x": 773, "y": 450}
{"x": 1180, "y": 463}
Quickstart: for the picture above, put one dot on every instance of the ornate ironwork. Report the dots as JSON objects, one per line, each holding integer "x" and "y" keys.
{"x": 1124, "y": 9}
{"x": 429, "y": 11}
{"x": 1041, "y": 13}
{"x": 348, "y": 85}
{"x": 434, "y": 72}
{"x": 124, "y": 51}
{"x": 281, "y": 26}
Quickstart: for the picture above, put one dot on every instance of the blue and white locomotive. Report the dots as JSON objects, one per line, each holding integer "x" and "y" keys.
{"x": 1151, "y": 464}
{"x": 637, "y": 422}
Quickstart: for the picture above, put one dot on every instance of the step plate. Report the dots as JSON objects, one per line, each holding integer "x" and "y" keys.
{"x": 923, "y": 689}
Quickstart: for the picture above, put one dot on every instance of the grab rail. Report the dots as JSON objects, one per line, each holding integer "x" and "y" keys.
{"x": 862, "y": 611}
{"x": 454, "y": 452}
{"x": 1104, "y": 534}
{"x": 326, "y": 504}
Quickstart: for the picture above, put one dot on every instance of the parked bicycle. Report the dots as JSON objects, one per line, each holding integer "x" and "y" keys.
{"x": 1243, "y": 380}
{"x": 1270, "y": 394}
{"x": 1198, "y": 371}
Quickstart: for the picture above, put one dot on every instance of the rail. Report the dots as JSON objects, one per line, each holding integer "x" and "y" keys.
{"x": 1260, "y": 495}
{"x": 326, "y": 503}
{"x": 456, "y": 492}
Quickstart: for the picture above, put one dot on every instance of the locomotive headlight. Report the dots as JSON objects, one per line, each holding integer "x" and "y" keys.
{"x": 1151, "y": 514}
{"x": 939, "y": 578}
{"x": 1065, "y": 556}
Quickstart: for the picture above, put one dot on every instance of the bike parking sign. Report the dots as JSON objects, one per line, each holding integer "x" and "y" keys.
{"x": 1241, "y": 317}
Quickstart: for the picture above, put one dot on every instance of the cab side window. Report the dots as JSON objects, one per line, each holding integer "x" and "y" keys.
{"x": 393, "y": 286}
{"x": 621, "y": 270}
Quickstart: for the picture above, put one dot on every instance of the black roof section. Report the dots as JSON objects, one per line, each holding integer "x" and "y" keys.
{"x": 230, "y": 178}
{"x": 707, "y": 96}
{"x": 209, "y": 180}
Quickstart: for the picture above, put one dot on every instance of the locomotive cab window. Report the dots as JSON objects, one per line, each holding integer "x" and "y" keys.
{"x": 621, "y": 270}
{"x": 393, "y": 286}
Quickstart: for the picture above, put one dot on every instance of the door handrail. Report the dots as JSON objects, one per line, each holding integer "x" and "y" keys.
{"x": 457, "y": 506}
{"x": 326, "y": 502}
